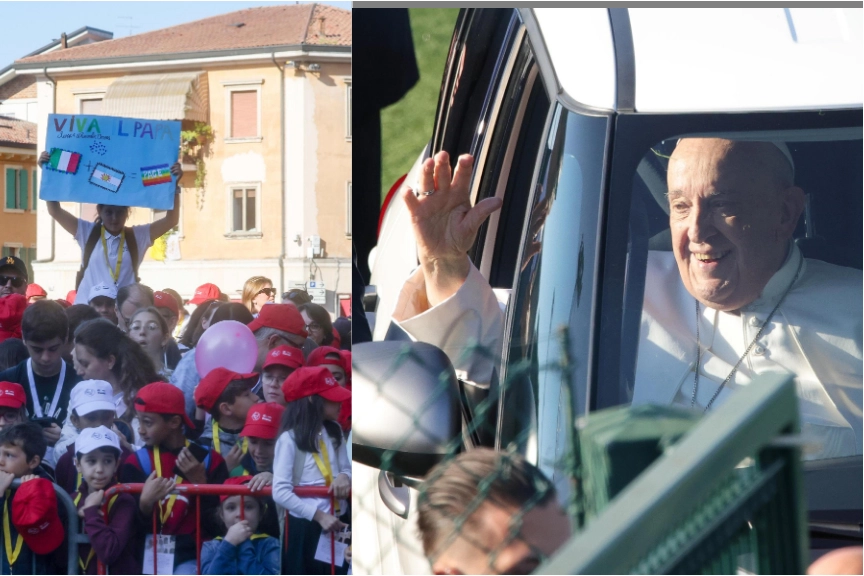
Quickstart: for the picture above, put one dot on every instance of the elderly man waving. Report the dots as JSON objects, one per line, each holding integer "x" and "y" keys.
{"x": 735, "y": 298}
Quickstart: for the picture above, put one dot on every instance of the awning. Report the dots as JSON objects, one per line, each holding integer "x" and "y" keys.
{"x": 177, "y": 96}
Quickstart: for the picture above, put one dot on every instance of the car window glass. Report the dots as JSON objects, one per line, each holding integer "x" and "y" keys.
{"x": 508, "y": 168}
{"x": 719, "y": 236}
{"x": 555, "y": 288}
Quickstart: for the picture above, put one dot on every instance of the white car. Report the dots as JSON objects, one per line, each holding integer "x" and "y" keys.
{"x": 569, "y": 114}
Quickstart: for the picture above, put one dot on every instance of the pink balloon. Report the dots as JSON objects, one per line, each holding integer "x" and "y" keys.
{"x": 227, "y": 344}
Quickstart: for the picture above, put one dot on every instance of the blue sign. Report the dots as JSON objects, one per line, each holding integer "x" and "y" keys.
{"x": 110, "y": 160}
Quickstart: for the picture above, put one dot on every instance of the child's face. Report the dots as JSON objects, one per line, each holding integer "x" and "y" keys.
{"x": 46, "y": 355}
{"x": 9, "y": 416}
{"x": 242, "y": 403}
{"x": 331, "y": 409}
{"x": 14, "y": 460}
{"x": 271, "y": 383}
{"x": 97, "y": 468}
{"x": 230, "y": 511}
{"x": 262, "y": 452}
{"x": 153, "y": 428}
{"x": 93, "y": 419}
{"x": 146, "y": 330}
{"x": 338, "y": 373}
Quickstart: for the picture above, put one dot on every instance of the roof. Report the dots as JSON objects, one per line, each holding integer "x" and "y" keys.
{"x": 260, "y": 27}
{"x": 71, "y": 38}
{"x": 682, "y": 60}
{"x": 17, "y": 133}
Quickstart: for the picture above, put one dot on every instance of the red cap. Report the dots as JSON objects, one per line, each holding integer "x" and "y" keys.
{"x": 11, "y": 310}
{"x": 70, "y": 296}
{"x": 35, "y": 290}
{"x": 318, "y": 357}
{"x": 165, "y": 300}
{"x": 287, "y": 356}
{"x": 162, "y": 398}
{"x": 234, "y": 481}
{"x": 212, "y": 385}
{"x": 284, "y": 317}
{"x": 12, "y": 395}
{"x": 263, "y": 421}
{"x": 205, "y": 292}
{"x": 34, "y": 515}
{"x": 310, "y": 381}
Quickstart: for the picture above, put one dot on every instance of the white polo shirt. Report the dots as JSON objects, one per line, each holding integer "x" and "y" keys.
{"x": 98, "y": 270}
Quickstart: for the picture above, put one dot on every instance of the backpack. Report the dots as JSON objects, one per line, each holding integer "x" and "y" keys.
{"x": 144, "y": 459}
{"x": 90, "y": 245}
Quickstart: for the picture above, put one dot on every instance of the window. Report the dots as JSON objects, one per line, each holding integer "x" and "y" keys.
{"x": 244, "y": 210}
{"x": 16, "y": 189}
{"x": 35, "y": 190}
{"x": 348, "y": 210}
{"x": 89, "y": 100}
{"x": 91, "y": 106}
{"x": 243, "y": 110}
{"x": 348, "y": 109}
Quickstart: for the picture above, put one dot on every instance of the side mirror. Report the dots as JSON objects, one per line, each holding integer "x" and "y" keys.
{"x": 406, "y": 407}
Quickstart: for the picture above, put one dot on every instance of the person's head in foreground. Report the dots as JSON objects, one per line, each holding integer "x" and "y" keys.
{"x": 261, "y": 429}
{"x": 488, "y": 512}
{"x": 281, "y": 362}
{"x": 97, "y": 456}
{"x": 733, "y": 208}
{"x": 91, "y": 405}
{"x": 161, "y": 415}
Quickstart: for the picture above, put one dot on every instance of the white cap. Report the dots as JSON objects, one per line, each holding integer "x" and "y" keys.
{"x": 91, "y": 395}
{"x": 92, "y": 438}
{"x": 102, "y": 290}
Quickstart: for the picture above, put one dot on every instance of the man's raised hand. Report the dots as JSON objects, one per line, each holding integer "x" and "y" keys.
{"x": 444, "y": 222}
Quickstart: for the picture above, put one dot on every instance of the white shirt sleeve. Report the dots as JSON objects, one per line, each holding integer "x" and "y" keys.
{"x": 83, "y": 232}
{"x": 142, "y": 237}
{"x": 283, "y": 483}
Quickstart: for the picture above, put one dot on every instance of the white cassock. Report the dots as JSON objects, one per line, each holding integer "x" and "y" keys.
{"x": 816, "y": 334}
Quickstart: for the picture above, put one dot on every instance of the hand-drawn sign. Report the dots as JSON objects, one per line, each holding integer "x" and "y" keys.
{"x": 98, "y": 159}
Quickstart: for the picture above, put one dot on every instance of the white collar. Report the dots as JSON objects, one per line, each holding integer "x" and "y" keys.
{"x": 779, "y": 282}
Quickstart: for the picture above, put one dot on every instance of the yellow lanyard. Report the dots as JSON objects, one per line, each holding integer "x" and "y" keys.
{"x": 324, "y": 466}
{"x": 115, "y": 274}
{"x": 217, "y": 445}
{"x": 253, "y": 537}
{"x": 92, "y": 553}
{"x": 11, "y": 555}
{"x": 166, "y": 513}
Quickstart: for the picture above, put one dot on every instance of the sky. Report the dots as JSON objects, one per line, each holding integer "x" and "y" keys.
{"x": 38, "y": 23}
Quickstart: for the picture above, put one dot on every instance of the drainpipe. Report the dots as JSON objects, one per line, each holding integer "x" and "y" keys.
{"x": 284, "y": 253}
{"x": 53, "y": 222}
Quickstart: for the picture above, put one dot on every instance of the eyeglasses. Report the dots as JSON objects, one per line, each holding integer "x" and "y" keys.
{"x": 267, "y": 291}
{"x": 16, "y": 281}
{"x": 313, "y": 326}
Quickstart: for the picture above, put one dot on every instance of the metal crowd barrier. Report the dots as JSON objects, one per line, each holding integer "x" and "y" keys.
{"x": 197, "y": 490}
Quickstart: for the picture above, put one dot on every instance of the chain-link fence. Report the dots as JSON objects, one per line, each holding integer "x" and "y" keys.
{"x": 495, "y": 478}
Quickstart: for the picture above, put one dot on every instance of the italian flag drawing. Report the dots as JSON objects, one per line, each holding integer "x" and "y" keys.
{"x": 64, "y": 161}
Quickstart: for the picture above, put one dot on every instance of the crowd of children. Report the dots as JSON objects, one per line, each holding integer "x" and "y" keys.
{"x": 95, "y": 405}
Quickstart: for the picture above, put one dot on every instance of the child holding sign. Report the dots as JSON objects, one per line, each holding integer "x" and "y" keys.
{"x": 112, "y": 251}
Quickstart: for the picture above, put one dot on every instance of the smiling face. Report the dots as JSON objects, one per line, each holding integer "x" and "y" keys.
{"x": 97, "y": 467}
{"x": 262, "y": 452}
{"x": 732, "y": 211}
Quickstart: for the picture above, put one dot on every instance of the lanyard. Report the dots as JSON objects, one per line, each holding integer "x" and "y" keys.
{"x": 84, "y": 564}
{"x": 37, "y": 409}
{"x": 166, "y": 513}
{"x": 253, "y": 537}
{"x": 324, "y": 466}
{"x": 11, "y": 555}
{"x": 115, "y": 274}
{"x": 216, "y": 444}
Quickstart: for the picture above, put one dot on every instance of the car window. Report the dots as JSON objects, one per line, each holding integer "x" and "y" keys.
{"x": 555, "y": 288}
{"x": 708, "y": 236}
{"x": 507, "y": 173}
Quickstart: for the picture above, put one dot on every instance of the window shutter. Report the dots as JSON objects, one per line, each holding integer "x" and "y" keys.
{"x": 35, "y": 193}
{"x": 93, "y": 106}
{"x": 244, "y": 114}
{"x": 22, "y": 189}
{"x": 10, "y": 188}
